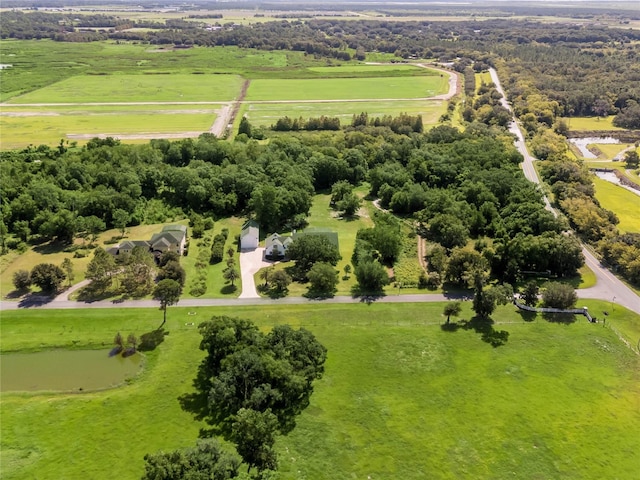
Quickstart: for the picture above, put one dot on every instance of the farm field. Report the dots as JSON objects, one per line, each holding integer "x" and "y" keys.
{"x": 400, "y": 396}
{"x": 625, "y": 204}
{"x": 40, "y": 63}
{"x": 267, "y": 114}
{"x": 49, "y": 129}
{"x": 137, "y": 88}
{"x": 346, "y": 88}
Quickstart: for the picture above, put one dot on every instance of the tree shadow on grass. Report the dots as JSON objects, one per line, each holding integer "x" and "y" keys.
{"x": 50, "y": 247}
{"x": 564, "y": 318}
{"x": 272, "y": 292}
{"x": 228, "y": 289}
{"x": 150, "y": 340}
{"x": 13, "y": 294}
{"x": 90, "y": 294}
{"x": 483, "y": 326}
{"x": 527, "y": 316}
{"x": 450, "y": 327}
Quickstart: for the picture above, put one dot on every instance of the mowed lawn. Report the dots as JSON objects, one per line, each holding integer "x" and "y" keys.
{"x": 137, "y": 88}
{"x": 267, "y": 114}
{"x": 625, "y": 204}
{"x": 401, "y": 398}
{"x": 347, "y": 88}
{"x": 591, "y": 123}
{"x": 611, "y": 150}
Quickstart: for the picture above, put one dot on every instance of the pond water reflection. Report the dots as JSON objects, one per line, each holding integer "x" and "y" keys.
{"x": 65, "y": 370}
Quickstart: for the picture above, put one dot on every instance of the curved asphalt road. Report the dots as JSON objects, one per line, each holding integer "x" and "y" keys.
{"x": 608, "y": 286}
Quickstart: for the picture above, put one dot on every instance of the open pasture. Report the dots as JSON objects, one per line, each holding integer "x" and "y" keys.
{"x": 400, "y": 396}
{"x": 347, "y": 88}
{"x": 373, "y": 70}
{"x": 268, "y": 113}
{"x": 591, "y": 123}
{"x": 39, "y": 63}
{"x": 137, "y": 88}
{"x": 21, "y": 131}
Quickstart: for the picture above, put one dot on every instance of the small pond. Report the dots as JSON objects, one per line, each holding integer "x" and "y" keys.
{"x": 65, "y": 370}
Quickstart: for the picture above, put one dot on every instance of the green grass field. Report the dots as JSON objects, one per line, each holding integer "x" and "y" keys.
{"x": 609, "y": 151}
{"x": 268, "y": 113}
{"x": 137, "y": 88}
{"x": 39, "y": 63}
{"x": 625, "y": 204}
{"x": 373, "y": 70}
{"x": 21, "y": 131}
{"x": 346, "y": 88}
{"x": 400, "y": 397}
{"x": 591, "y": 123}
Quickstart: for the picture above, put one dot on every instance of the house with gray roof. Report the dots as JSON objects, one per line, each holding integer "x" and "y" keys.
{"x": 172, "y": 238}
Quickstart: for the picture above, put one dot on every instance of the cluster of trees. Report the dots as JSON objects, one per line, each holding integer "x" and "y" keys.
{"x": 135, "y": 274}
{"x": 46, "y": 276}
{"x": 622, "y": 252}
{"x": 250, "y": 387}
{"x": 315, "y": 257}
{"x": 403, "y": 123}
{"x": 285, "y": 124}
{"x": 485, "y": 106}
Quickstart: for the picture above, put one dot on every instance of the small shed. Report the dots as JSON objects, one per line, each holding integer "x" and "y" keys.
{"x": 250, "y": 235}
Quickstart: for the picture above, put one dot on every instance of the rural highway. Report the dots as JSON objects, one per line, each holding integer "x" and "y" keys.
{"x": 608, "y": 286}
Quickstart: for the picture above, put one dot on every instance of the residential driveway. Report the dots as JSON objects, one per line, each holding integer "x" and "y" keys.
{"x": 250, "y": 262}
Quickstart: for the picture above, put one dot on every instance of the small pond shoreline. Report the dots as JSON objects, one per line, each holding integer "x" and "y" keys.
{"x": 67, "y": 371}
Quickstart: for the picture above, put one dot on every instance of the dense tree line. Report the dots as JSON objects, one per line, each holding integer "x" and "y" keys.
{"x": 460, "y": 185}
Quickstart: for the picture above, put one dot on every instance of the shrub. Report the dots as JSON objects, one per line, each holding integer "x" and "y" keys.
{"x": 21, "y": 280}
{"x": 559, "y": 295}
{"x": 217, "y": 249}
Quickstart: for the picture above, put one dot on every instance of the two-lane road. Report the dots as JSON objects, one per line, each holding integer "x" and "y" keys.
{"x": 608, "y": 286}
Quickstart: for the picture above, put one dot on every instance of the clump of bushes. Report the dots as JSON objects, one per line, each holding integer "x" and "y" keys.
{"x": 217, "y": 249}
{"x": 199, "y": 286}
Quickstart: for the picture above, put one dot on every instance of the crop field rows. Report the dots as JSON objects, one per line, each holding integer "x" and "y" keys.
{"x": 184, "y": 105}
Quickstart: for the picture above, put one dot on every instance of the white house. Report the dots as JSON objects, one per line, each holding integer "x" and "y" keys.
{"x": 276, "y": 246}
{"x": 249, "y": 235}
